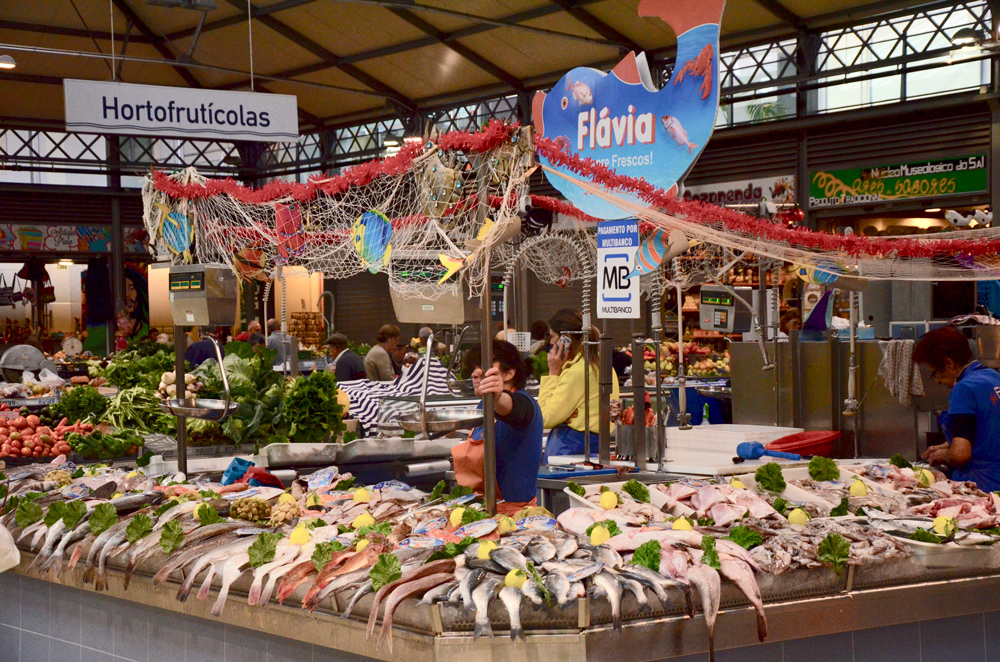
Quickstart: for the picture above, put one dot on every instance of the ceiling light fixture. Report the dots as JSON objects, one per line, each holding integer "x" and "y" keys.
{"x": 391, "y": 140}
{"x": 932, "y": 210}
{"x": 7, "y": 62}
{"x": 968, "y": 37}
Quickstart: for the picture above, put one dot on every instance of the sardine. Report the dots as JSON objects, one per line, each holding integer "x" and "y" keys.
{"x": 558, "y": 586}
{"x": 566, "y": 547}
{"x": 482, "y": 597}
{"x": 510, "y": 559}
{"x": 740, "y": 574}
{"x": 470, "y": 582}
{"x": 541, "y": 550}
{"x": 706, "y": 580}
{"x": 608, "y": 556}
{"x": 403, "y": 591}
{"x": 606, "y": 585}
{"x": 362, "y": 591}
{"x": 438, "y": 593}
{"x": 511, "y": 598}
{"x": 636, "y": 588}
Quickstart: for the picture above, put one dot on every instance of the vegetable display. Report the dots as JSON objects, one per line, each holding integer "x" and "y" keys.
{"x": 105, "y": 446}
{"x": 79, "y": 404}
{"x": 312, "y": 409}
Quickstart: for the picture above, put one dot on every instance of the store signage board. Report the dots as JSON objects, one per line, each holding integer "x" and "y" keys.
{"x": 921, "y": 179}
{"x": 64, "y": 238}
{"x": 153, "y": 110}
{"x": 623, "y": 121}
{"x": 617, "y": 294}
{"x": 779, "y": 190}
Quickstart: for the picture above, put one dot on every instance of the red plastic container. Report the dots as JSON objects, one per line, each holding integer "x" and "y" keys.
{"x": 817, "y": 442}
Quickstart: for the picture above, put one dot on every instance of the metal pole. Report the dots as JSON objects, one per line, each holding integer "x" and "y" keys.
{"x": 851, "y": 403}
{"x": 775, "y": 311}
{"x": 179, "y": 348}
{"x": 683, "y": 417}
{"x": 586, "y": 386}
{"x": 639, "y": 400}
{"x": 489, "y": 423}
{"x": 657, "y": 337}
{"x": 604, "y": 395}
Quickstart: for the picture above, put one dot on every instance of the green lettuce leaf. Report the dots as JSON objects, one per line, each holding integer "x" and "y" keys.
{"x": 172, "y": 537}
{"x": 452, "y": 549}
{"x": 648, "y": 555}
{"x": 709, "y": 556}
{"x": 140, "y": 527}
{"x": 823, "y": 468}
{"x": 324, "y": 552}
{"x": 609, "y": 524}
{"x": 103, "y": 518}
{"x": 262, "y": 550}
{"x": 636, "y": 490}
{"x": 745, "y": 537}
{"x": 576, "y": 489}
{"x": 770, "y": 478}
{"x": 28, "y": 512}
{"x": 73, "y": 513}
{"x": 386, "y": 570}
{"x": 834, "y": 550}
{"x": 841, "y": 509}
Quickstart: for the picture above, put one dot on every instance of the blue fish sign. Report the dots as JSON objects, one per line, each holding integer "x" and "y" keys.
{"x": 622, "y": 121}
{"x": 370, "y": 235}
{"x": 176, "y": 230}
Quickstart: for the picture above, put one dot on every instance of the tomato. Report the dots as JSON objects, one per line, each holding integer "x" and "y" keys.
{"x": 25, "y": 452}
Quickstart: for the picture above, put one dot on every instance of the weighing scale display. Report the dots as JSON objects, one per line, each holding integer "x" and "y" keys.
{"x": 187, "y": 282}
{"x": 716, "y": 299}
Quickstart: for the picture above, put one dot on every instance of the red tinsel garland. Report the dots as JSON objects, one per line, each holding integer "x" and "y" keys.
{"x": 702, "y": 212}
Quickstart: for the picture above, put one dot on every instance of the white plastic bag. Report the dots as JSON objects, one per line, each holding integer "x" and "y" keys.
{"x": 10, "y": 556}
{"x": 48, "y": 378}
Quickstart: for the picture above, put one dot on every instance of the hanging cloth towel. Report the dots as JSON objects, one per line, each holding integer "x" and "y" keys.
{"x": 901, "y": 374}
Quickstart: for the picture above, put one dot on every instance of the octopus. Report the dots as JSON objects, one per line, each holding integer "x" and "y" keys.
{"x": 700, "y": 66}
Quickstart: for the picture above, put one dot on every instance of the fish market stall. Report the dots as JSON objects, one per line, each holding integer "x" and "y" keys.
{"x": 783, "y": 556}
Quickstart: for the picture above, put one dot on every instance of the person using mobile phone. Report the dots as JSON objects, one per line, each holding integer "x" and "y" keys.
{"x": 563, "y": 390}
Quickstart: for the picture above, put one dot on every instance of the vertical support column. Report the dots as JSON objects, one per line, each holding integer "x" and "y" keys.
{"x": 117, "y": 256}
{"x": 639, "y": 400}
{"x": 604, "y": 386}
{"x": 179, "y": 348}
{"x": 806, "y": 103}
{"x": 994, "y": 142}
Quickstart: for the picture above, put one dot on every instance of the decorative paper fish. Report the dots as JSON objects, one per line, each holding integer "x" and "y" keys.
{"x": 451, "y": 266}
{"x": 657, "y": 248}
{"x": 291, "y": 241}
{"x": 176, "y": 230}
{"x": 485, "y": 230}
{"x": 624, "y": 120}
{"x": 370, "y": 235}
{"x": 249, "y": 263}
{"x": 825, "y": 275}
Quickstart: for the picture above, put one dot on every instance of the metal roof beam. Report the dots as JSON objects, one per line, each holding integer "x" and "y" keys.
{"x": 64, "y": 32}
{"x": 327, "y": 56}
{"x": 597, "y": 25}
{"x": 460, "y": 48}
{"x": 783, "y": 13}
{"x": 238, "y": 18}
{"x": 151, "y": 36}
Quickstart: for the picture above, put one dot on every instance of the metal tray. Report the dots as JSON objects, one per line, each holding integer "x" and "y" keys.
{"x": 443, "y": 421}
{"x": 301, "y": 455}
{"x": 394, "y": 448}
{"x": 209, "y": 410}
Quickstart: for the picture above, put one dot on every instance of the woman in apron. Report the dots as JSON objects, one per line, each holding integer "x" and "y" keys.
{"x": 518, "y": 430}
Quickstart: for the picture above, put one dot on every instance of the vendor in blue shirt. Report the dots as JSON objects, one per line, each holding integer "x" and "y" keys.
{"x": 972, "y": 422}
{"x": 518, "y": 429}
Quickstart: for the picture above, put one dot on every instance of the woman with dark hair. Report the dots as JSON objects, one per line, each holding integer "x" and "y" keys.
{"x": 378, "y": 360}
{"x": 972, "y": 422}
{"x": 136, "y": 298}
{"x": 518, "y": 429}
{"x": 563, "y": 389}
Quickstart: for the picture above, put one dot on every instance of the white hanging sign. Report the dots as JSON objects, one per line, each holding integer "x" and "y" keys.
{"x": 617, "y": 294}
{"x": 153, "y": 110}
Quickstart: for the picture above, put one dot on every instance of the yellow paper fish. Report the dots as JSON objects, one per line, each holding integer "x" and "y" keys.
{"x": 451, "y": 266}
{"x": 485, "y": 230}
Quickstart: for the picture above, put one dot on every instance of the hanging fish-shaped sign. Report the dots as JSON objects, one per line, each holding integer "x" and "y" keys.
{"x": 370, "y": 235}
{"x": 176, "y": 230}
{"x": 288, "y": 221}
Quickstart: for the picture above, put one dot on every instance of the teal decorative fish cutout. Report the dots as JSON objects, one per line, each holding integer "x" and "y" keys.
{"x": 370, "y": 235}
{"x": 177, "y": 231}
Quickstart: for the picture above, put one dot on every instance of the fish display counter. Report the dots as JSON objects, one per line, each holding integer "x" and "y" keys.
{"x": 784, "y": 561}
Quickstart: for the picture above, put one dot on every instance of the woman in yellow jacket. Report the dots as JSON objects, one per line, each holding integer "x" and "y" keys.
{"x": 563, "y": 389}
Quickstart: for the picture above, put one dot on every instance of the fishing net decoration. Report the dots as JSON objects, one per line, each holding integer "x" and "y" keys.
{"x": 409, "y": 216}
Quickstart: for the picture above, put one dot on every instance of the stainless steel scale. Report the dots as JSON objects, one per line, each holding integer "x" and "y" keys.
{"x": 200, "y": 295}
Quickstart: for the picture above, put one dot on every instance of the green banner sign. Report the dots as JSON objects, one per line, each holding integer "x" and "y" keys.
{"x": 856, "y": 186}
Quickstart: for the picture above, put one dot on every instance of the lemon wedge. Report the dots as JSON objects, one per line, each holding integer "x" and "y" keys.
{"x": 798, "y": 516}
{"x": 361, "y": 495}
{"x": 286, "y": 498}
{"x": 924, "y": 477}
{"x": 505, "y": 524}
{"x": 944, "y": 526}
{"x": 858, "y": 488}
{"x": 681, "y": 524}
{"x": 599, "y": 535}
{"x": 361, "y": 544}
{"x": 300, "y": 535}
{"x": 364, "y": 519}
{"x": 515, "y": 578}
{"x": 737, "y": 484}
{"x": 609, "y": 500}
{"x": 455, "y": 519}
{"x": 485, "y": 547}
{"x": 313, "y": 500}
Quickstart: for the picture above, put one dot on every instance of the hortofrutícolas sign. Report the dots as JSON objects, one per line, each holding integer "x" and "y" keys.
{"x": 922, "y": 179}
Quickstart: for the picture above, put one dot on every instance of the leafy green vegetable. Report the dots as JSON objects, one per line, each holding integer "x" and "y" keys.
{"x": 636, "y": 490}
{"x": 103, "y": 518}
{"x": 409, "y": 434}
{"x": 383, "y": 529}
{"x": 452, "y": 549}
{"x": 835, "y": 550}
{"x": 386, "y": 570}
{"x": 648, "y": 555}
{"x": 349, "y": 437}
{"x": 209, "y": 494}
{"x": 609, "y": 524}
{"x": 80, "y": 403}
{"x": 709, "y": 556}
{"x": 537, "y": 578}
{"x": 470, "y": 515}
{"x": 923, "y": 535}
{"x": 312, "y": 408}
{"x": 576, "y": 489}
{"x": 144, "y": 459}
{"x": 780, "y": 505}
{"x": 745, "y": 537}
{"x": 54, "y": 513}
{"x": 77, "y": 474}
{"x": 314, "y": 524}
{"x": 841, "y": 509}
{"x": 324, "y": 552}
{"x": 262, "y": 549}
{"x": 73, "y": 513}
{"x": 140, "y": 527}
{"x": 438, "y": 490}
{"x": 172, "y": 536}
{"x": 898, "y": 460}
{"x": 208, "y": 516}
{"x": 346, "y": 484}
{"x": 167, "y": 505}
{"x": 28, "y": 512}
{"x": 770, "y": 478}
{"x": 459, "y": 491}
{"x": 823, "y": 468}
{"x": 705, "y": 521}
